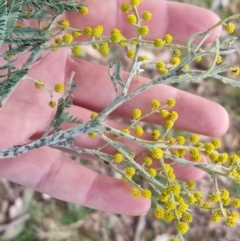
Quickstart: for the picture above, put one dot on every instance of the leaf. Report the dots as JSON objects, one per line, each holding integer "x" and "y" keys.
{"x": 41, "y": 15}
{"x": 3, "y": 20}
{"x": 7, "y": 86}
{"x": 13, "y": 12}
{"x": 16, "y": 50}
{"x": 60, "y": 7}
{"x": 29, "y": 42}
{"x": 28, "y": 31}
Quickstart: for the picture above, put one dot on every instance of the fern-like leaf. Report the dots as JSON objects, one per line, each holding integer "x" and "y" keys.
{"x": 3, "y": 20}
{"x": 13, "y": 12}
{"x": 7, "y": 86}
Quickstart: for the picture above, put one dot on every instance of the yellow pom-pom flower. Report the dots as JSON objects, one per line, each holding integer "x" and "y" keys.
{"x": 232, "y": 219}
{"x": 171, "y": 140}
{"x": 236, "y": 203}
{"x": 160, "y": 65}
{"x": 83, "y": 10}
{"x": 209, "y": 147}
{"x": 58, "y": 41}
{"x": 175, "y": 188}
{"x": 92, "y": 134}
{"x": 173, "y": 116}
{"x": 216, "y": 217}
{"x": 130, "y": 54}
{"x": 67, "y": 38}
{"x": 54, "y": 49}
{"x": 138, "y": 131}
{"x": 235, "y": 71}
{"x": 52, "y": 103}
{"x": 181, "y": 152}
{"x": 130, "y": 172}
{"x": 177, "y": 52}
{"x": 131, "y": 19}
{"x": 174, "y": 239}
{"x": 194, "y": 138}
{"x": 230, "y": 27}
{"x": 126, "y": 131}
{"x": 125, "y": 7}
{"x": 169, "y": 124}
{"x": 164, "y": 113}
{"x": 143, "y": 30}
{"x": 155, "y": 134}
{"x": 216, "y": 143}
{"x": 144, "y": 57}
{"x": 104, "y": 48}
{"x": 118, "y": 157}
{"x": 159, "y": 213}
{"x": 76, "y": 34}
{"x": 158, "y": 43}
{"x": 219, "y": 59}
{"x": 146, "y": 15}
{"x": 76, "y": 50}
{"x": 196, "y": 156}
{"x": 157, "y": 153}
{"x": 214, "y": 197}
{"x": 155, "y": 104}
{"x": 198, "y": 59}
{"x": 146, "y": 193}
{"x": 40, "y": 84}
{"x": 65, "y": 23}
{"x": 168, "y": 38}
{"x": 116, "y": 35}
{"x": 182, "y": 227}
{"x": 88, "y": 31}
{"x": 135, "y": 3}
{"x": 97, "y": 31}
{"x": 222, "y": 158}
{"x": 135, "y": 192}
{"x": 59, "y": 88}
{"x": 152, "y": 172}
{"x": 175, "y": 61}
{"x": 190, "y": 185}
{"x": 213, "y": 157}
{"x": 137, "y": 113}
{"x": 180, "y": 140}
{"x": 93, "y": 115}
{"x": 147, "y": 161}
{"x": 171, "y": 102}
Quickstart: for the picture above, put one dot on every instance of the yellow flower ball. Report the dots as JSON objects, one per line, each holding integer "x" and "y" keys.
{"x": 52, "y": 104}
{"x": 83, "y": 10}
{"x": 59, "y": 88}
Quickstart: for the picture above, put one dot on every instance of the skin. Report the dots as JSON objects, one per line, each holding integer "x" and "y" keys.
{"x": 27, "y": 114}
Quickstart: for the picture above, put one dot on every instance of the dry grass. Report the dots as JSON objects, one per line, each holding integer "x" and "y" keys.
{"x": 26, "y": 215}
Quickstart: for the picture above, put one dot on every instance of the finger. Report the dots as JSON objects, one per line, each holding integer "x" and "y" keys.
{"x": 178, "y": 19}
{"x": 183, "y": 173}
{"x": 50, "y": 172}
{"x": 27, "y": 110}
{"x": 95, "y": 91}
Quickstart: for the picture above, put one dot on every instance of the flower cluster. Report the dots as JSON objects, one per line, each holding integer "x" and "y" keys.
{"x": 173, "y": 199}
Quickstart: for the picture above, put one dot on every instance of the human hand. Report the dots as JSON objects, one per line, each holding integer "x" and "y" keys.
{"x": 26, "y": 115}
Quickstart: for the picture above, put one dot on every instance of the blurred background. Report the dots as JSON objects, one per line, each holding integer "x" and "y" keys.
{"x": 26, "y": 215}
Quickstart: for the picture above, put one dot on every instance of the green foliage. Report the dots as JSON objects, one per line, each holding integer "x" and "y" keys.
{"x": 26, "y": 235}
{"x": 63, "y": 103}
{"x": 13, "y": 12}
{"x": 170, "y": 197}
{"x": 75, "y": 213}
{"x": 3, "y": 20}
{"x": 7, "y": 86}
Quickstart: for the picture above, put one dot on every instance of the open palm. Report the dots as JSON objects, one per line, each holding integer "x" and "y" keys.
{"x": 26, "y": 115}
